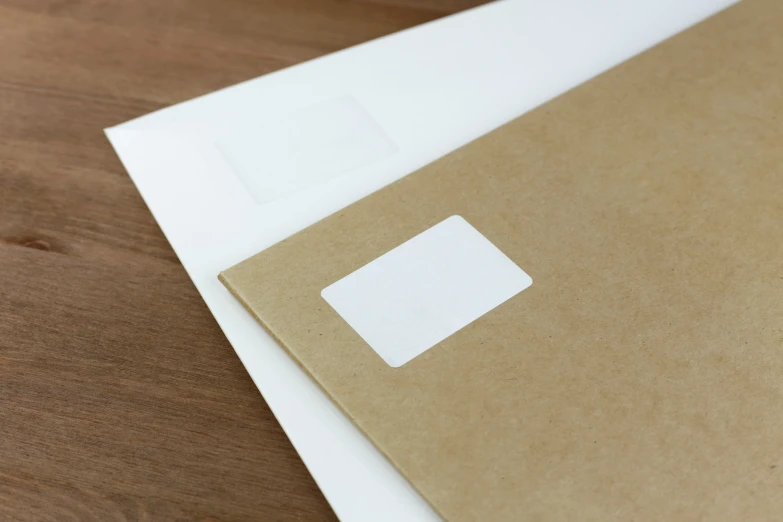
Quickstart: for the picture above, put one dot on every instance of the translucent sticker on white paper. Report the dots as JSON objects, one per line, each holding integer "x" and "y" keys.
{"x": 278, "y": 157}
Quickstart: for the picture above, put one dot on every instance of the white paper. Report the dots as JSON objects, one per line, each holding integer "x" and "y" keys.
{"x": 430, "y": 89}
{"x": 418, "y": 294}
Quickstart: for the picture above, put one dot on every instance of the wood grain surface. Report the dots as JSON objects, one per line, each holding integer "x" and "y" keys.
{"x": 120, "y": 398}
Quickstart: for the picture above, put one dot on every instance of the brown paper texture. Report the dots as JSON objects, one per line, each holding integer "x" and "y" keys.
{"x": 641, "y": 376}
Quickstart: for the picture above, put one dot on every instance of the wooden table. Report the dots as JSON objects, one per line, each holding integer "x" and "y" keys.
{"x": 120, "y": 398}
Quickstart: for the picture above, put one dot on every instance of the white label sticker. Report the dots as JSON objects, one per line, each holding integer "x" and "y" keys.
{"x": 276, "y": 158}
{"x": 418, "y": 294}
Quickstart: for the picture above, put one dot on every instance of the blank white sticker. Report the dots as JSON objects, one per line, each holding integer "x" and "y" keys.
{"x": 418, "y": 294}
{"x": 278, "y": 157}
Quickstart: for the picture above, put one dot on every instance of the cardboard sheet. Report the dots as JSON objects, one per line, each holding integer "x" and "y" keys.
{"x": 639, "y": 377}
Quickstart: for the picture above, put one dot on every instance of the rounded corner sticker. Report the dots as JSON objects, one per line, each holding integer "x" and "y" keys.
{"x": 416, "y": 295}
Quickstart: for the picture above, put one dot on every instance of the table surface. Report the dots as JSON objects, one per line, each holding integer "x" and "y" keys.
{"x": 120, "y": 398}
